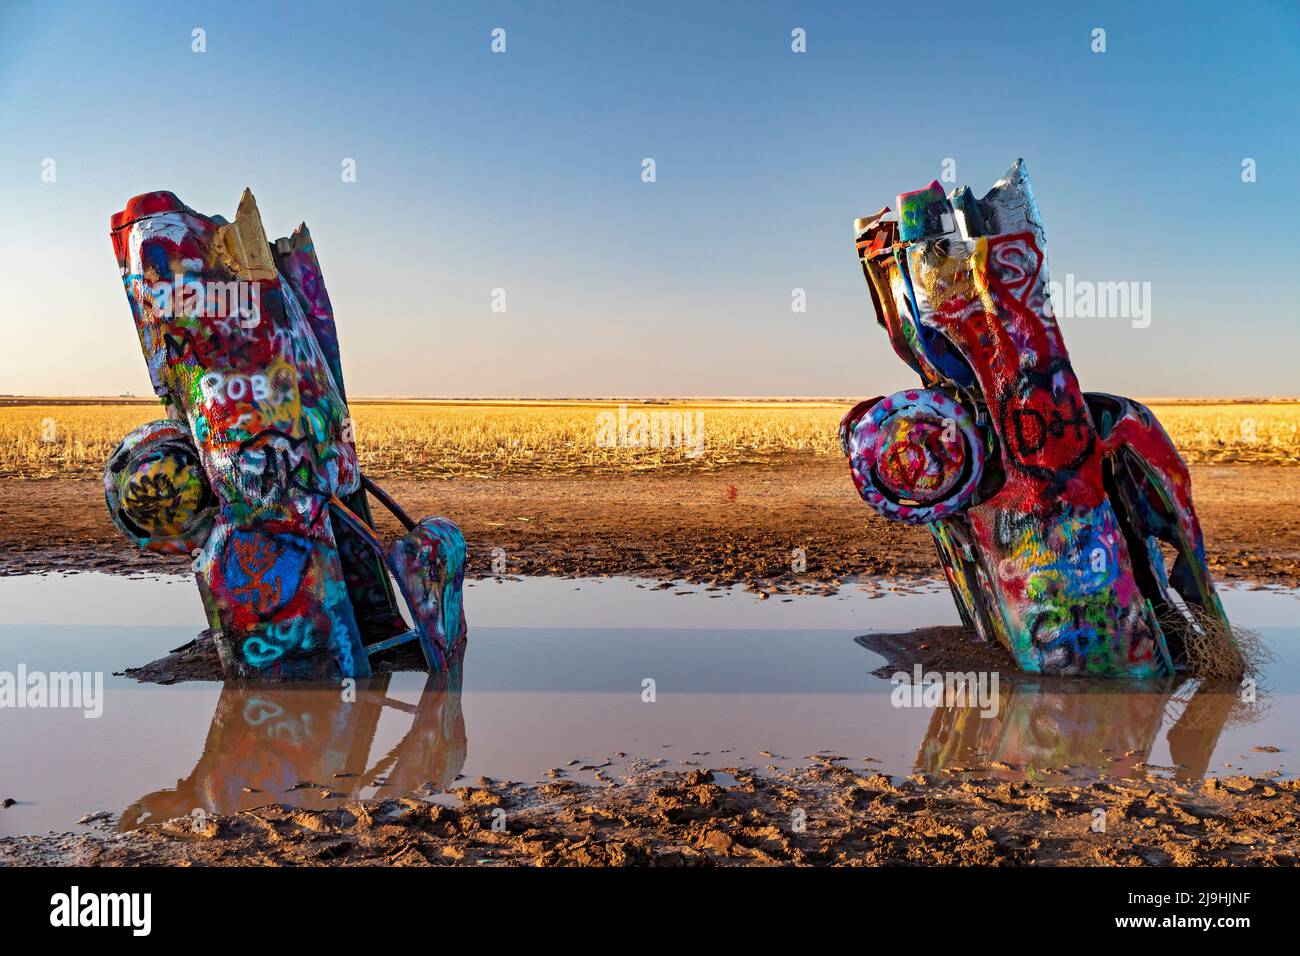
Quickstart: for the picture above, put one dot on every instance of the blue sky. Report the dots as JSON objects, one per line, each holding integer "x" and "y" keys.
{"x": 522, "y": 171}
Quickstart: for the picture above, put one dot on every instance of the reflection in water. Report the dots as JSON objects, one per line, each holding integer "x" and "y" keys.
{"x": 1060, "y": 723}
{"x": 309, "y": 747}
{"x": 1195, "y": 733}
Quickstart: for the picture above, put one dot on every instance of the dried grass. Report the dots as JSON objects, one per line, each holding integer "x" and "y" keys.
{"x": 494, "y": 439}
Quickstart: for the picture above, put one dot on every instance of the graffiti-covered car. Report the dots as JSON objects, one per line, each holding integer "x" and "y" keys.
{"x": 1063, "y": 519}
{"x": 254, "y": 472}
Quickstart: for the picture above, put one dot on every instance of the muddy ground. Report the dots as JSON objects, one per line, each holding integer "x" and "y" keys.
{"x": 819, "y": 815}
{"x": 737, "y": 525}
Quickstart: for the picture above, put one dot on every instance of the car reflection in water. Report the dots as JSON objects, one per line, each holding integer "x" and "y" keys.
{"x": 309, "y": 747}
{"x": 1047, "y": 725}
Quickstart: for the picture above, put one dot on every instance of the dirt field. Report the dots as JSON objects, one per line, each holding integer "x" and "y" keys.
{"x": 734, "y": 525}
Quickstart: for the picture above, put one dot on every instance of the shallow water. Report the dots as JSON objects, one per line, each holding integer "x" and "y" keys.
{"x": 553, "y": 678}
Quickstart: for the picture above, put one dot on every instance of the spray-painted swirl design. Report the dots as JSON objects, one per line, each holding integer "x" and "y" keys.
{"x": 1049, "y": 505}
{"x": 255, "y": 473}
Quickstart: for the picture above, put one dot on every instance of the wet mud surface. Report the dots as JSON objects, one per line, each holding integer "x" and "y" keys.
{"x": 823, "y": 814}
{"x": 737, "y": 525}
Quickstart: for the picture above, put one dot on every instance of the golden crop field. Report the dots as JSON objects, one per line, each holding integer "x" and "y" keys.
{"x": 490, "y": 439}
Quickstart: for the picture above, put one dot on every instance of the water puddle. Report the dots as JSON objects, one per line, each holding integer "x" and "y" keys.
{"x": 555, "y": 684}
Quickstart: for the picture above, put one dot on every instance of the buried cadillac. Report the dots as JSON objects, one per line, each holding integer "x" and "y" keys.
{"x": 1063, "y": 519}
{"x": 254, "y": 472}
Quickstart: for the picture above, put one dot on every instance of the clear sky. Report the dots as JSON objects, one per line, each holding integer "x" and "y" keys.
{"x": 523, "y": 171}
